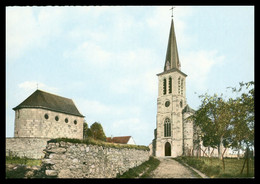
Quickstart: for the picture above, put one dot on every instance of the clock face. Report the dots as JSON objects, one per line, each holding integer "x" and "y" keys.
{"x": 167, "y": 103}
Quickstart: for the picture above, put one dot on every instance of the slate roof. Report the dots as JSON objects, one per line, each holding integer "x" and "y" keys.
{"x": 172, "y": 50}
{"x": 172, "y": 70}
{"x": 120, "y": 140}
{"x": 44, "y": 100}
{"x": 188, "y": 109}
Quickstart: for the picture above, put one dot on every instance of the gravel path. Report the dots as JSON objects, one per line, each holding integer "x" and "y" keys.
{"x": 170, "y": 168}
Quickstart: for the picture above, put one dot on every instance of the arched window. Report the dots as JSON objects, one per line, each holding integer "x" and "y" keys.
{"x": 164, "y": 86}
{"x": 167, "y": 128}
{"x": 182, "y": 86}
{"x": 170, "y": 85}
{"x": 179, "y": 85}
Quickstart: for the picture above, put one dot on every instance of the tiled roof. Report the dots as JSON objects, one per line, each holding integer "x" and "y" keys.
{"x": 120, "y": 140}
{"x": 44, "y": 100}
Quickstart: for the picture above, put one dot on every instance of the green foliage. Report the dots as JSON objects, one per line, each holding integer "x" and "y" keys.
{"x": 91, "y": 141}
{"x": 85, "y": 128}
{"x": 144, "y": 170}
{"x": 97, "y": 131}
{"x": 227, "y": 122}
{"x": 12, "y": 158}
{"x": 244, "y": 115}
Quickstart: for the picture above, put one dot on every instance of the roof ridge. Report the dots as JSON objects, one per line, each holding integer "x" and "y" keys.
{"x": 53, "y": 102}
{"x": 52, "y": 94}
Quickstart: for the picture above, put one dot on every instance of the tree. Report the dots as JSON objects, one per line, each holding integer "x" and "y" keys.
{"x": 243, "y": 117}
{"x": 85, "y": 128}
{"x": 213, "y": 119}
{"x": 227, "y": 123}
{"x": 97, "y": 131}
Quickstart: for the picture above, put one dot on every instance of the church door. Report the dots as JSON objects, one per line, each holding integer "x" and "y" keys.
{"x": 167, "y": 149}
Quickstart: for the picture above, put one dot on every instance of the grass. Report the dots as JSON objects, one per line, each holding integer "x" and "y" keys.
{"x": 213, "y": 167}
{"x": 21, "y": 170}
{"x": 142, "y": 171}
{"x": 90, "y": 141}
{"x": 23, "y": 161}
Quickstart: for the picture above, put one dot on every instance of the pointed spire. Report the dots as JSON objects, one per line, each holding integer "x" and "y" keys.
{"x": 172, "y": 51}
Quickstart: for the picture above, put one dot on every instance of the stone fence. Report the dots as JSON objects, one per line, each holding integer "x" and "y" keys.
{"x": 26, "y": 147}
{"x": 76, "y": 160}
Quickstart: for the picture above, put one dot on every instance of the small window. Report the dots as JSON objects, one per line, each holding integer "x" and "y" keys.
{"x": 170, "y": 85}
{"x": 57, "y": 118}
{"x": 66, "y": 120}
{"x": 46, "y": 116}
{"x": 181, "y": 103}
{"x": 179, "y": 85}
{"x": 182, "y": 86}
{"x": 164, "y": 86}
{"x": 75, "y": 122}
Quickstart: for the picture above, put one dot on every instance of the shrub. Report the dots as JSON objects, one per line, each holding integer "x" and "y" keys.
{"x": 91, "y": 141}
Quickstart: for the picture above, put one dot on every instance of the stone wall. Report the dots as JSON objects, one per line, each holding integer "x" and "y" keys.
{"x": 26, "y": 146}
{"x": 188, "y": 131}
{"x": 73, "y": 160}
{"x": 36, "y": 122}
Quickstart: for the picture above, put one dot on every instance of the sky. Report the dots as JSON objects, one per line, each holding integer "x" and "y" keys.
{"x": 105, "y": 58}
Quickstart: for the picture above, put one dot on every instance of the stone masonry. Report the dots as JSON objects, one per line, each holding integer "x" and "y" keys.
{"x": 32, "y": 123}
{"x": 26, "y": 147}
{"x": 73, "y": 160}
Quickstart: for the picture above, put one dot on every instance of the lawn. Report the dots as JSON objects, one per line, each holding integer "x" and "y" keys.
{"x": 24, "y": 161}
{"x": 213, "y": 167}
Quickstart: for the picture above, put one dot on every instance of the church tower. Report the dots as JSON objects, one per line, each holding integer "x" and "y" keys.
{"x": 170, "y": 134}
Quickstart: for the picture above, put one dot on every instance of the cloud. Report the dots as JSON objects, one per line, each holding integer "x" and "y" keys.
{"x": 91, "y": 54}
{"x": 198, "y": 64}
{"x": 30, "y": 86}
{"x": 95, "y": 108}
{"x": 26, "y": 30}
{"x": 133, "y": 126}
{"x": 159, "y": 23}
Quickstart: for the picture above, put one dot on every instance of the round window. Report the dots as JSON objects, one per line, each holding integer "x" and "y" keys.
{"x": 57, "y": 118}
{"x": 75, "y": 122}
{"x": 167, "y": 103}
{"x": 66, "y": 120}
{"x": 46, "y": 116}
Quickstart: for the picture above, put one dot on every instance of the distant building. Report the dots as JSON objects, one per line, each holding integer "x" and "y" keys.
{"x": 45, "y": 115}
{"x": 121, "y": 140}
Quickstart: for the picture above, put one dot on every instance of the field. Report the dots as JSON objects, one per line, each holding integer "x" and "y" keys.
{"x": 213, "y": 167}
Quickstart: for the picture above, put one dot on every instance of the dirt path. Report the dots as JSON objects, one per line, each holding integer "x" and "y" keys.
{"x": 170, "y": 168}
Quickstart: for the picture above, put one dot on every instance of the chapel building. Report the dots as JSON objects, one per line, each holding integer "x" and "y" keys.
{"x": 174, "y": 134}
{"x": 45, "y": 115}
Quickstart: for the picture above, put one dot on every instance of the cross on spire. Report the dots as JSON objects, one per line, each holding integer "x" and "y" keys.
{"x": 172, "y": 10}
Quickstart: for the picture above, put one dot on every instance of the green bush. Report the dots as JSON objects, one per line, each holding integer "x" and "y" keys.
{"x": 91, "y": 141}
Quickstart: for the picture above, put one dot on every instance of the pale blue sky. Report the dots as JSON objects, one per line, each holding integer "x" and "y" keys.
{"x": 106, "y": 58}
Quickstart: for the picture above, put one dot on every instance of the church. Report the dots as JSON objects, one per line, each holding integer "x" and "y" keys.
{"x": 174, "y": 134}
{"x": 46, "y": 115}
